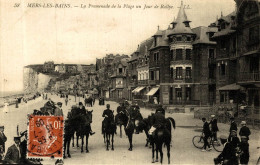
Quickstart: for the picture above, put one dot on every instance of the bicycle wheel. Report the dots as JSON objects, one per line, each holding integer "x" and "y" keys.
{"x": 198, "y": 142}
{"x": 217, "y": 145}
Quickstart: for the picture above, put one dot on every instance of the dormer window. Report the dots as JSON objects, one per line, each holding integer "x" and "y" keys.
{"x": 223, "y": 25}
{"x": 186, "y": 24}
{"x": 120, "y": 70}
{"x": 179, "y": 38}
{"x": 188, "y": 38}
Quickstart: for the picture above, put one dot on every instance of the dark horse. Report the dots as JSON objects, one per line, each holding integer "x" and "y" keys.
{"x": 162, "y": 136}
{"x": 88, "y": 102}
{"x": 121, "y": 120}
{"x": 109, "y": 129}
{"x": 80, "y": 124}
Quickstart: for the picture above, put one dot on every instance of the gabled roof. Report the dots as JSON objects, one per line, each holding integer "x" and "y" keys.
{"x": 228, "y": 30}
{"x": 202, "y": 36}
{"x": 180, "y": 27}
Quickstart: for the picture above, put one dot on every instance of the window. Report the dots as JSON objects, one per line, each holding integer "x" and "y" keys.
{"x": 171, "y": 72}
{"x": 188, "y": 93}
{"x": 172, "y": 55}
{"x": 156, "y": 56}
{"x": 223, "y": 97}
{"x": 120, "y": 70}
{"x": 178, "y": 94}
{"x": 179, "y": 38}
{"x": 211, "y": 72}
{"x": 179, "y": 73}
{"x": 178, "y": 54}
{"x": 222, "y": 69}
{"x": 223, "y": 25}
{"x": 188, "y": 54}
{"x": 188, "y": 38}
{"x": 211, "y": 53}
{"x": 152, "y": 75}
{"x": 157, "y": 76}
{"x": 234, "y": 43}
{"x": 188, "y": 73}
{"x": 254, "y": 35}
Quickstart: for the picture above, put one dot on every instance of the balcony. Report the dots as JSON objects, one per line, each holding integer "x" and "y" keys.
{"x": 154, "y": 82}
{"x": 249, "y": 77}
{"x": 142, "y": 82}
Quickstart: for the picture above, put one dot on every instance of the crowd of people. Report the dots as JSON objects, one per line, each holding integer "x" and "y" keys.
{"x": 235, "y": 149}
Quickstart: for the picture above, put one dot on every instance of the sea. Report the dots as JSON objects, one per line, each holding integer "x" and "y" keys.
{"x": 6, "y": 95}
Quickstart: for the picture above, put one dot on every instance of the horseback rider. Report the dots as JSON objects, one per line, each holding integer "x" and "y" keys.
{"x": 120, "y": 111}
{"x": 135, "y": 116}
{"x": 158, "y": 120}
{"x": 108, "y": 117}
{"x": 82, "y": 111}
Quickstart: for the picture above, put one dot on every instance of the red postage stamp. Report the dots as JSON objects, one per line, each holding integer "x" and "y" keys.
{"x": 45, "y": 137}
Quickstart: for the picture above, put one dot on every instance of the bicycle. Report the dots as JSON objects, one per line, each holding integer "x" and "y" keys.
{"x": 198, "y": 142}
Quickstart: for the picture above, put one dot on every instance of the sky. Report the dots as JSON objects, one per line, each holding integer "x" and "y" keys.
{"x": 80, "y": 35}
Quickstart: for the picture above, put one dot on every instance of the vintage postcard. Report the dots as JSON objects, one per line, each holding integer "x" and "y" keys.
{"x": 129, "y": 82}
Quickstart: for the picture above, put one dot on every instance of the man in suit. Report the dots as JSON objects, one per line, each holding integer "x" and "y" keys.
{"x": 214, "y": 127}
{"x": 206, "y": 132}
{"x": 233, "y": 125}
{"x": 3, "y": 139}
{"x": 244, "y": 130}
{"x": 58, "y": 110}
{"x": 13, "y": 154}
{"x": 228, "y": 155}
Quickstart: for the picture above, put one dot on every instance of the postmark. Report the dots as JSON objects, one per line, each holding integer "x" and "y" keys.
{"x": 45, "y": 138}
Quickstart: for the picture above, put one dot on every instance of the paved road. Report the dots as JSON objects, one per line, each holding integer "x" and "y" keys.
{"x": 182, "y": 151}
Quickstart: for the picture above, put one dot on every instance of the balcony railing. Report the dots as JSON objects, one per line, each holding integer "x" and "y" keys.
{"x": 186, "y": 102}
{"x": 142, "y": 82}
{"x": 154, "y": 82}
{"x": 246, "y": 76}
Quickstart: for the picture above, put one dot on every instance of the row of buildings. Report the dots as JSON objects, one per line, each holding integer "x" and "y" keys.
{"x": 180, "y": 65}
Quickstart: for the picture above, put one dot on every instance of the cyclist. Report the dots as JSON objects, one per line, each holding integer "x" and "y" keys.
{"x": 214, "y": 127}
{"x": 206, "y": 134}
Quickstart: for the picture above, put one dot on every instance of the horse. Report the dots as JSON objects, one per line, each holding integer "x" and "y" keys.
{"x": 83, "y": 129}
{"x": 121, "y": 120}
{"x": 145, "y": 125}
{"x": 88, "y": 102}
{"x": 160, "y": 137}
{"x": 130, "y": 127}
{"x": 109, "y": 129}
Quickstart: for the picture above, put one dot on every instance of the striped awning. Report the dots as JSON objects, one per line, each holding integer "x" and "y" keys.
{"x": 152, "y": 91}
{"x": 138, "y": 89}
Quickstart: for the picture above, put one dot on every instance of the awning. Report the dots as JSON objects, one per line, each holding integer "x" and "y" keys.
{"x": 230, "y": 87}
{"x": 152, "y": 91}
{"x": 138, "y": 89}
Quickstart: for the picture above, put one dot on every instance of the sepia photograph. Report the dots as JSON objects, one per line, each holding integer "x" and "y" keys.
{"x": 130, "y": 82}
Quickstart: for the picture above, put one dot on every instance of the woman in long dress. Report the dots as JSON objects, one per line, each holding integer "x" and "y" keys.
{"x": 6, "y": 109}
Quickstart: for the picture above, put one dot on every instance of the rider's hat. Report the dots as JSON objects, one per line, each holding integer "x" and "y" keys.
{"x": 17, "y": 138}
{"x": 59, "y": 103}
{"x": 243, "y": 122}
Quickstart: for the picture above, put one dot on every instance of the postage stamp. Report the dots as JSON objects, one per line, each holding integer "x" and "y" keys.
{"x": 45, "y": 138}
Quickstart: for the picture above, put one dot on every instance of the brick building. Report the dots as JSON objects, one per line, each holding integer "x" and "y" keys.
{"x": 238, "y": 49}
